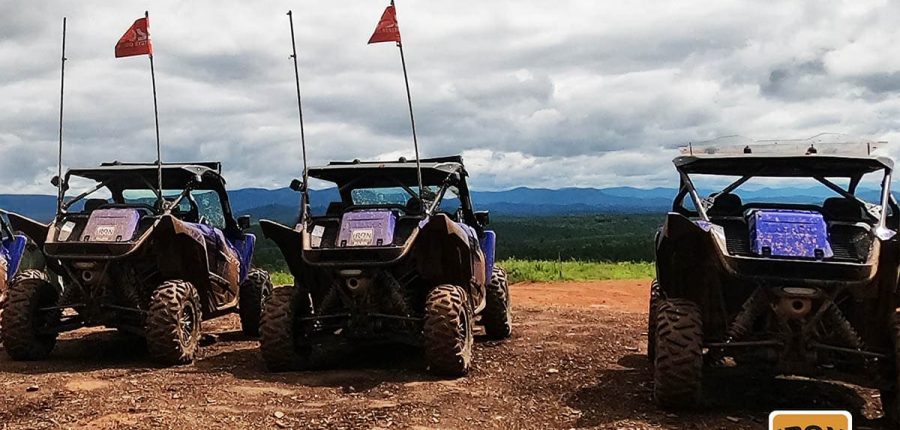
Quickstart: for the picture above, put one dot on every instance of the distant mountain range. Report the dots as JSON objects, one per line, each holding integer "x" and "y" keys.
{"x": 281, "y": 204}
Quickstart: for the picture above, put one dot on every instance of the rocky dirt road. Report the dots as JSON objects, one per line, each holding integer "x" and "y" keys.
{"x": 576, "y": 360}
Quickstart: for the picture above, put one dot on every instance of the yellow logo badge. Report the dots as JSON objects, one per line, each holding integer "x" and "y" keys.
{"x": 810, "y": 420}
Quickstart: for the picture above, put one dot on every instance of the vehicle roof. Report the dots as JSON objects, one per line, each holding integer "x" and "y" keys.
{"x": 174, "y": 175}
{"x": 434, "y": 171}
{"x": 782, "y": 165}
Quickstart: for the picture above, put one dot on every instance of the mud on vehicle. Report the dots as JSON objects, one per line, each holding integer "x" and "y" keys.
{"x": 146, "y": 261}
{"x": 797, "y": 288}
{"x": 382, "y": 263}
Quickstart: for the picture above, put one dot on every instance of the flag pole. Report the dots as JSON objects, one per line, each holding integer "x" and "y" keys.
{"x": 156, "y": 119}
{"x": 412, "y": 118}
{"x": 62, "y": 86}
{"x": 304, "y": 200}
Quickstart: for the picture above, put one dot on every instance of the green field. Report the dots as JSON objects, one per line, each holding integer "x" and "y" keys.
{"x": 543, "y": 271}
{"x": 551, "y": 248}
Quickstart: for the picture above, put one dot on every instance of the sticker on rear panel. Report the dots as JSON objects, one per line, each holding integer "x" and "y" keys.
{"x": 362, "y": 237}
{"x": 105, "y": 233}
{"x": 317, "y": 233}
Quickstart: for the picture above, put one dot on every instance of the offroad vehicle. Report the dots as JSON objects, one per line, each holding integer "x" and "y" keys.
{"x": 385, "y": 263}
{"x": 773, "y": 284}
{"x": 148, "y": 260}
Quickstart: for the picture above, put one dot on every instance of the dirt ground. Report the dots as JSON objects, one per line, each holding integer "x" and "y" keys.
{"x": 576, "y": 360}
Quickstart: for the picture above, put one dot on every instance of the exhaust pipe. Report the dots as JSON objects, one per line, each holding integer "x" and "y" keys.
{"x": 793, "y": 307}
{"x": 88, "y": 276}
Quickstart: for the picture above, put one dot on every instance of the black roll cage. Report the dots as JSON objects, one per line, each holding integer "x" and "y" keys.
{"x": 116, "y": 192}
{"x": 686, "y": 188}
{"x": 453, "y": 181}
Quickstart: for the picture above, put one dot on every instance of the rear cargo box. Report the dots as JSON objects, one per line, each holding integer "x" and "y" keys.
{"x": 111, "y": 225}
{"x": 789, "y": 233}
{"x": 367, "y": 228}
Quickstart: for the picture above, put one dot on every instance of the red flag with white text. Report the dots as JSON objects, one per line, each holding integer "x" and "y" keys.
{"x": 135, "y": 41}
{"x": 387, "y": 30}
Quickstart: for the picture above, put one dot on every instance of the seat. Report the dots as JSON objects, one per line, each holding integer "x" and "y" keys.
{"x": 843, "y": 210}
{"x": 726, "y": 205}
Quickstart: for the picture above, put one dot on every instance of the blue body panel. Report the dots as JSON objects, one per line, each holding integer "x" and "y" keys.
{"x": 12, "y": 250}
{"x": 488, "y": 246}
{"x": 242, "y": 246}
{"x": 789, "y": 233}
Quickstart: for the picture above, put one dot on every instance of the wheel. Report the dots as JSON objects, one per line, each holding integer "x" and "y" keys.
{"x": 255, "y": 290}
{"x": 678, "y": 368}
{"x": 496, "y": 318}
{"x": 890, "y": 401}
{"x": 448, "y": 331}
{"x": 284, "y": 339}
{"x": 29, "y": 333}
{"x": 655, "y": 295}
{"x": 173, "y": 323}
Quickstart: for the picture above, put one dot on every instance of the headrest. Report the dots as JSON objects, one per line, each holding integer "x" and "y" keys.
{"x": 413, "y": 205}
{"x": 726, "y": 205}
{"x": 335, "y": 209}
{"x": 91, "y": 205}
{"x": 842, "y": 209}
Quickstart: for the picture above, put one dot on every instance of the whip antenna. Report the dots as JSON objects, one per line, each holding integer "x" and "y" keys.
{"x": 304, "y": 201}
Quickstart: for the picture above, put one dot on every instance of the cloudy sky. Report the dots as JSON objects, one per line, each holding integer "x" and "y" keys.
{"x": 532, "y": 93}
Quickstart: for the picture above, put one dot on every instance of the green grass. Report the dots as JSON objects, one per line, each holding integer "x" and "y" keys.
{"x": 281, "y": 278}
{"x": 571, "y": 270}
{"x": 544, "y": 270}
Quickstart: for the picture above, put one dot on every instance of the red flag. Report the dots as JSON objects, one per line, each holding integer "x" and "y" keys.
{"x": 135, "y": 41}
{"x": 387, "y": 29}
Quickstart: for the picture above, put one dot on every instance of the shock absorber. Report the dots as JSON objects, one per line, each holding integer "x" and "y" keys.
{"x": 842, "y": 329}
{"x": 753, "y": 308}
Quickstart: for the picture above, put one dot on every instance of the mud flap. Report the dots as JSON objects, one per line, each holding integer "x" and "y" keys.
{"x": 289, "y": 241}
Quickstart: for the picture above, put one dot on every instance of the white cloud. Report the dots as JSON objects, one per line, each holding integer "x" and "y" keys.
{"x": 570, "y": 93}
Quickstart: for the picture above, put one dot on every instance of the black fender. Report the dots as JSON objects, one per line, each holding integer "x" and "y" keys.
{"x": 445, "y": 256}
{"x": 289, "y": 241}
{"x": 34, "y": 230}
{"x": 181, "y": 254}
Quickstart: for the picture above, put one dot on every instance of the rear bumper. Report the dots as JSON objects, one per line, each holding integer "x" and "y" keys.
{"x": 793, "y": 272}
{"x": 89, "y": 251}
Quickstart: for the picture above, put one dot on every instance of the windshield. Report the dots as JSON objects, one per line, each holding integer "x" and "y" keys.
{"x": 148, "y": 197}
{"x": 380, "y": 196}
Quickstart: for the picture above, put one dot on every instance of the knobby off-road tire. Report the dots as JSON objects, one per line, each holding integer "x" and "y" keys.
{"x": 284, "y": 340}
{"x": 448, "y": 331}
{"x": 24, "y": 334}
{"x": 496, "y": 317}
{"x": 678, "y": 368}
{"x": 255, "y": 290}
{"x": 890, "y": 401}
{"x": 173, "y": 323}
{"x": 655, "y": 297}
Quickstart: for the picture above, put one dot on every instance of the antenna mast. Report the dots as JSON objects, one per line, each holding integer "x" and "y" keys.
{"x": 304, "y": 200}
{"x": 62, "y": 85}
